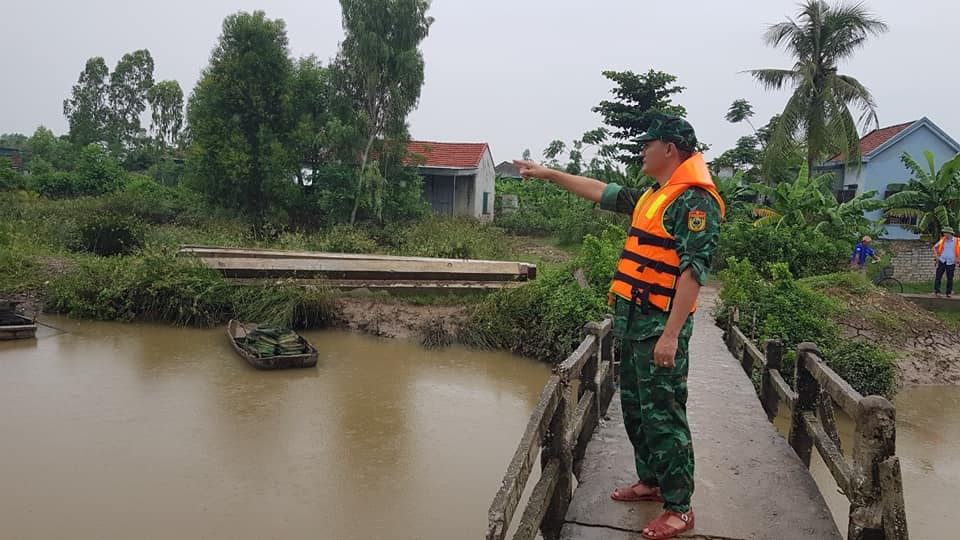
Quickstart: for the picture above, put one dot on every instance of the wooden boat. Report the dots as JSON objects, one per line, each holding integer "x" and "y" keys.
{"x": 14, "y": 326}
{"x": 238, "y": 330}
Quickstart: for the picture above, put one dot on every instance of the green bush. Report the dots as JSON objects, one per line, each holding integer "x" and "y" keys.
{"x": 96, "y": 174}
{"x": 793, "y": 312}
{"x": 109, "y": 234}
{"x": 152, "y": 202}
{"x": 543, "y": 319}
{"x": 805, "y": 251}
{"x": 599, "y": 257}
{"x": 868, "y": 368}
{"x": 10, "y": 179}
{"x": 157, "y": 287}
{"x": 57, "y": 185}
{"x": 162, "y": 287}
{"x": 286, "y": 305}
{"x": 776, "y": 308}
{"x": 452, "y": 238}
{"x": 546, "y": 209}
{"x": 347, "y": 239}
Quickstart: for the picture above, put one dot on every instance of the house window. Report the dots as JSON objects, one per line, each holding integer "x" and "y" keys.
{"x": 486, "y": 202}
{"x": 897, "y": 220}
{"x": 845, "y": 195}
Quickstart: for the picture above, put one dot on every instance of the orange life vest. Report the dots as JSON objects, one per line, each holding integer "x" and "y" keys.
{"x": 649, "y": 265}
{"x": 956, "y": 248}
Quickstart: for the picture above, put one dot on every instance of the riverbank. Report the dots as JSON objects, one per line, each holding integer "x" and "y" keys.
{"x": 927, "y": 348}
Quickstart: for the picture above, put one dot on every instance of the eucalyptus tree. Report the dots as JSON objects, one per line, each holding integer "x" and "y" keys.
{"x": 166, "y": 112}
{"x": 380, "y": 69}
{"x": 87, "y": 108}
{"x": 130, "y": 82}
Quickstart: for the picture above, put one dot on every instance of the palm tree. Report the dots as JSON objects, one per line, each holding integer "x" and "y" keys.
{"x": 818, "y": 109}
{"x": 932, "y": 196}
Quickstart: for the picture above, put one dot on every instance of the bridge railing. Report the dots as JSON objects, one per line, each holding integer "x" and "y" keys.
{"x": 871, "y": 481}
{"x": 570, "y": 407}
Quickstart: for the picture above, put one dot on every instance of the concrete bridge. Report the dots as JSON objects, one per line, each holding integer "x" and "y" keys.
{"x": 749, "y": 482}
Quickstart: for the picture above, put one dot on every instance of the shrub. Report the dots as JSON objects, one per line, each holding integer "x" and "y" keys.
{"x": 453, "y": 238}
{"x": 96, "y": 174}
{"x": 545, "y": 208}
{"x": 543, "y": 319}
{"x": 599, "y": 257}
{"x": 156, "y": 287}
{"x": 578, "y": 220}
{"x": 868, "y": 368}
{"x": 287, "y": 305}
{"x": 790, "y": 310}
{"x": 109, "y": 234}
{"x": 805, "y": 251}
{"x": 152, "y": 202}
{"x": 347, "y": 239}
{"x": 57, "y": 185}
{"x": 10, "y": 179}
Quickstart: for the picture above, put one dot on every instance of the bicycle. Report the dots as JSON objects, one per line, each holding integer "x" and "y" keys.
{"x": 886, "y": 281}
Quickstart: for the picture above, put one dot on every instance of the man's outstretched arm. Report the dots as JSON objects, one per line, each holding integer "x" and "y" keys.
{"x": 588, "y": 188}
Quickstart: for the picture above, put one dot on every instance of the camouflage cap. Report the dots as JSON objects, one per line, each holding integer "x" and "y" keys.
{"x": 668, "y": 128}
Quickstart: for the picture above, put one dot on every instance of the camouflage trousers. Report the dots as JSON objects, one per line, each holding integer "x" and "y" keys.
{"x": 654, "y": 402}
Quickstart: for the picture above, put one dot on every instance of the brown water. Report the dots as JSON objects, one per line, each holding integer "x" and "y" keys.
{"x": 928, "y": 444}
{"x": 146, "y": 431}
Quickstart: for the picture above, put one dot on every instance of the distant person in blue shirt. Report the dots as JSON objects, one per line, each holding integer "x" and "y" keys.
{"x": 946, "y": 251}
{"x": 860, "y": 253}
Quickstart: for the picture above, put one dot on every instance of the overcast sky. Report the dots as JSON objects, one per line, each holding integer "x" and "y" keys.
{"x": 516, "y": 74}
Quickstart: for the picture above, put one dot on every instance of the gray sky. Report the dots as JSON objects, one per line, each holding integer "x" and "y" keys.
{"x": 516, "y": 74}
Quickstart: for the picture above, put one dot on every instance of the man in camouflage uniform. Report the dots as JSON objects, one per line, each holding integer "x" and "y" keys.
{"x": 654, "y": 344}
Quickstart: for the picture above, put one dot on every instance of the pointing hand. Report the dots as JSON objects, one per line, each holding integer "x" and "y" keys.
{"x": 529, "y": 169}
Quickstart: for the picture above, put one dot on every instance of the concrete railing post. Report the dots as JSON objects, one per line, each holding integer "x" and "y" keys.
{"x": 773, "y": 351}
{"x": 558, "y": 448}
{"x": 874, "y": 442}
{"x": 808, "y": 390}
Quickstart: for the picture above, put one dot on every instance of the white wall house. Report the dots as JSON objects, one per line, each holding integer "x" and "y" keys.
{"x": 458, "y": 178}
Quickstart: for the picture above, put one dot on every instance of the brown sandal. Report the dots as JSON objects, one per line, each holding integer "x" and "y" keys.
{"x": 658, "y": 529}
{"x": 629, "y": 494}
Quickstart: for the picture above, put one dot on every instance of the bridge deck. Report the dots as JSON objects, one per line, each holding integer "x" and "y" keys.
{"x": 749, "y": 483}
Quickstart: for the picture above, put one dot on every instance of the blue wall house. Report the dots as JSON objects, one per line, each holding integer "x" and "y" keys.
{"x": 881, "y": 168}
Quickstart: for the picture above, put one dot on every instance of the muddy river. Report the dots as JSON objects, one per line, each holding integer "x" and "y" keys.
{"x": 928, "y": 443}
{"x": 147, "y": 431}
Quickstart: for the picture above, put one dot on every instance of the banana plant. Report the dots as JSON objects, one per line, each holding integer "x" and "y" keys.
{"x": 808, "y": 202}
{"x": 932, "y": 195}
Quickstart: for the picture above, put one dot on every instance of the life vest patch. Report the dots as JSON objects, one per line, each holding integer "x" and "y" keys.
{"x": 696, "y": 220}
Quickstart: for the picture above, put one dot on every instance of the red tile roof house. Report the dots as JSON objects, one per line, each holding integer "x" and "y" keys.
{"x": 15, "y": 157}
{"x": 458, "y": 178}
{"x": 881, "y": 168}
